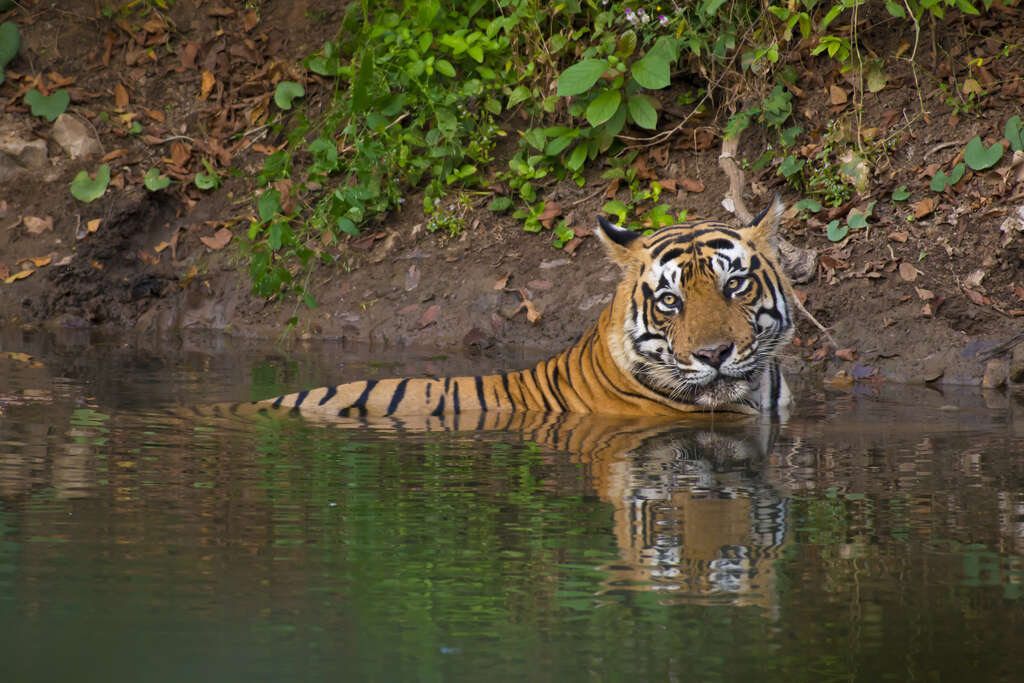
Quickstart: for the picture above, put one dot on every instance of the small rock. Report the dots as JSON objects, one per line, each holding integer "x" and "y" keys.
{"x": 17, "y": 154}
{"x": 933, "y": 370}
{"x": 995, "y": 374}
{"x": 75, "y": 138}
{"x": 1016, "y": 373}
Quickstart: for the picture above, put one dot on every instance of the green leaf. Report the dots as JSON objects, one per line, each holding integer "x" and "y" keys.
{"x": 603, "y": 107}
{"x": 836, "y": 231}
{"x": 86, "y": 189}
{"x": 48, "y": 107}
{"x": 520, "y": 94}
{"x": 978, "y": 157}
{"x": 268, "y": 205}
{"x": 791, "y": 166}
{"x": 895, "y": 9}
{"x": 1015, "y": 134}
{"x": 901, "y": 194}
{"x": 643, "y": 113}
{"x": 581, "y": 77}
{"x": 206, "y": 181}
{"x": 155, "y": 182}
{"x": 576, "y": 159}
{"x": 941, "y": 182}
{"x": 626, "y": 45}
{"x": 10, "y": 43}
{"x": 812, "y": 205}
{"x": 348, "y": 227}
{"x": 617, "y": 209}
{"x": 361, "y": 84}
{"x": 857, "y": 220}
{"x": 286, "y": 92}
{"x": 445, "y": 68}
{"x": 499, "y": 204}
{"x": 276, "y": 235}
{"x": 653, "y": 71}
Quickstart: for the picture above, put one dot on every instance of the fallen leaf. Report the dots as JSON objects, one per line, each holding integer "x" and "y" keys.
{"x": 189, "y": 54}
{"x": 837, "y": 95}
{"x": 898, "y": 236}
{"x": 121, "y": 99}
{"x": 539, "y": 284}
{"x": 93, "y": 225}
{"x": 501, "y": 283}
{"x": 219, "y": 239}
{"x": 532, "y": 314}
{"x": 691, "y": 185}
{"x": 669, "y": 184}
{"x": 20, "y": 275}
{"x": 976, "y": 297}
{"x": 411, "y": 308}
{"x": 552, "y": 210}
{"x": 923, "y": 207}
{"x": 1019, "y": 291}
{"x": 189, "y": 276}
{"x": 37, "y": 225}
{"x": 908, "y": 272}
{"x": 180, "y": 153}
{"x": 160, "y": 247}
{"x": 974, "y": 279}
{"x": 37, "y": 261}
{"x": 572, "y": 245}
{"x": 148, "y": 258}
{"x": 250, "y": 20}
{"x": 927, "y": 311}
{"x": 97, "y": 265}
{"x": 801, "y": 296}
{"x": 110, "y": 156}
{"x": 207, "y": 85}
{"x": 156, "y": 115}
{"x": 613, "y": 187}
{"x": 819, "y": 354}
{"x": 430, "y": 315}
{"x": 846, "y": 354}
{"x": 4, "y": 272}
{"x": 924, "y": 294}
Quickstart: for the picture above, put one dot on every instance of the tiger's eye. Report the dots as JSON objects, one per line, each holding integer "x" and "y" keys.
{"x": 733, "y": 284}
{"x": 668, "y": 300}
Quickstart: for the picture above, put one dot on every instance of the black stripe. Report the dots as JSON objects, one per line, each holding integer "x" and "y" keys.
{"x": 456, "y": 408}
{"x": 479, "y": 382}
{"x": 718, "y": 244}
{"x": 439, "y": 410}
{"x": 360, "y": 403}
{"x": 553, "y": 383}
{"x": 396, "y": 398}
{"x": 328, "y": 395}
{"x": 277, "y": 402}
{"x": 540, "y": 388}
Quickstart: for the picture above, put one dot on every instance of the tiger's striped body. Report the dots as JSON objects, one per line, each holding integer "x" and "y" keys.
{"x": 694, "y": 326}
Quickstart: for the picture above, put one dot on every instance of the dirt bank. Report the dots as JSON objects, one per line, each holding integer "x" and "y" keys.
{"x": 929, "y": 293}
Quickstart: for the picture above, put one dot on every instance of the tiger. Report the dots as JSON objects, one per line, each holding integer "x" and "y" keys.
{"x": 694, "y": 326}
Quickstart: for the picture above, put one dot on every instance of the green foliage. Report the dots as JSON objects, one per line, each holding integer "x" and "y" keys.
{"x": 942, "y": 182}
{"x": 10, "y": 43}
{"x": 286, "y": 93}
{"x": 1015, "y": 134}
{"x": 209, "y": 180}
{"x": 48, "y": 107}
{"x": 155, "y": 182}
{"x": 901, "y": 194}
{"x": 978, "y": 157}
{"x": 87, "y": 189}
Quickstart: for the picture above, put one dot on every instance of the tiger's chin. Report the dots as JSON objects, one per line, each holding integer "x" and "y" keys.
{"x": 718, "y": 392}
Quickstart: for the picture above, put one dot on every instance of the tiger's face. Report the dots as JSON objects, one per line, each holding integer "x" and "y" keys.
{"x": 704, "y": 307}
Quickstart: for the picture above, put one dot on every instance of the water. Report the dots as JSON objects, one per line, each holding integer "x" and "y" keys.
{"x": 879, "y": 535}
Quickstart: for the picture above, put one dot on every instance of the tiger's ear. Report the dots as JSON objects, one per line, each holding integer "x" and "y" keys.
{"x": 765, "y": 225}
{"x": 617, "y": 240}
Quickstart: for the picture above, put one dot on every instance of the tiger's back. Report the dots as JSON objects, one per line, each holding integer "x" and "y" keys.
{"x": 694, "y": 326}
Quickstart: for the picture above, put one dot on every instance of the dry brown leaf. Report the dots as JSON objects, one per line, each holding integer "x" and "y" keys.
{"x": 691, "y": 185}
{"x": 1019, "y": 291}
{"x": 669, "y": 185}
{"x": 219, "y": 239}
{"x": 976, "y": 297}
{"x": 430, "y": 315}
{"x": 97, "y": 265}
{"x": 20, "y": 275}
{"x": 836, "y": 95}
{"x": 612, "y": 189}
{"x": 93, "y": 225}
{"x": 251, "y": 20}
{"x": 209, "y": 80}
{"x": 189, "y": 54}
{"x": 189, "y": 276}
{"x": 924, "y": 294}
{"x": 846, "y": 354}
{"x": 37, "y": 261}
{"x": 160, "y": 247}
{"x": 502, "y": 282}
{"x": 110, "y": 156}
{"x": 36, "y": 225}
{"x": 180, "y": 153}
{"x": 539, "y": 284}
{"x": 147, "y": 258}
{"x": 898, "y": 236}
{"x": 908, "y": 272}
{"x": 4, "y": 272}
{"x": 156, "y": 115}
{"x": 923, "y": 207}
{"x": 121, "y": 99}
{"x": 552, "y": 210}
{"x": 532, "y": 314}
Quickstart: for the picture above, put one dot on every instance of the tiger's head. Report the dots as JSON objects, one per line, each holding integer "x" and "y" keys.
{"x": 702, "y": 309}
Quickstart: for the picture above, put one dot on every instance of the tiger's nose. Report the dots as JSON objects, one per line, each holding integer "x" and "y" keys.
{"x": 714, "y": 355}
